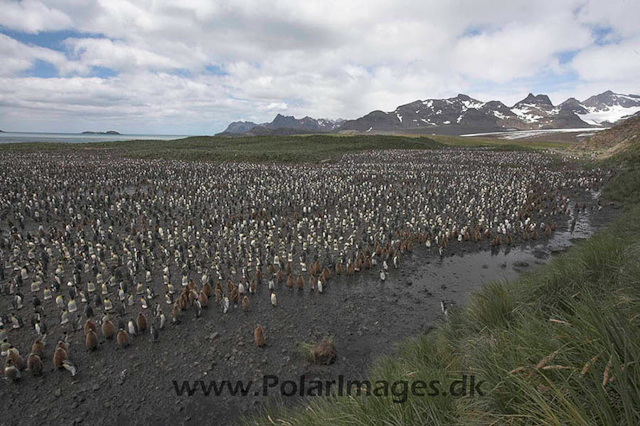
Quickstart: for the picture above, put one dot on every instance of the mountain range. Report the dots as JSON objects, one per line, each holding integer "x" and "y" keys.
{"x": 459, "y": 115}
{"x": 282, "y": 125}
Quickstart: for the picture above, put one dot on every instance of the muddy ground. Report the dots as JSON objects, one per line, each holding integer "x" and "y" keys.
{"x": 365, "y": 316}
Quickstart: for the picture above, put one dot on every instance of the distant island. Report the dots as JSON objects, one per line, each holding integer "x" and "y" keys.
{"x": 109, "y": 132}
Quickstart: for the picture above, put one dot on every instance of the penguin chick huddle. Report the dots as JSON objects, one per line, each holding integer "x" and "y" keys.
{"x": 95, "y": 248}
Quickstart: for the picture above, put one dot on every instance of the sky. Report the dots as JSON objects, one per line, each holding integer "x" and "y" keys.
{"x": 192, "y": 67}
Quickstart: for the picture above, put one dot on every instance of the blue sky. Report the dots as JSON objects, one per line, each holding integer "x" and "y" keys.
{"x": 170, "y": 67}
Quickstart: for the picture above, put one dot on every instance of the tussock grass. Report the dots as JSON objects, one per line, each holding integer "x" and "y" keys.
{"x": 321, "y": 352}
{"x": 625, "y": 186}
{"x": 558, "y": 346}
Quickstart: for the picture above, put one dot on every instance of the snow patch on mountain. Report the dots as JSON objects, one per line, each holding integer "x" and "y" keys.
{"x": 609, "y": 115}
{"x": 466, "y": 104}
{"x": 525, "y": 114}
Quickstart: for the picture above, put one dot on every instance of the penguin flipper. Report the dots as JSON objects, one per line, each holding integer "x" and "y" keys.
{"x": 69, "y": 366}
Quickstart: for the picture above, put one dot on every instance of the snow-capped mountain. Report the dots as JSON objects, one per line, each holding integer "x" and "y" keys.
{"x": 463, "y": 114}
{"x": 607, "y": 108}
{"x": 306, "y": 124}
{"x": 427, "y": 114}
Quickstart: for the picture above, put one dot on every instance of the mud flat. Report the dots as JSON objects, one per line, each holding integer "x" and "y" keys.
{"x": 365, "y": 317}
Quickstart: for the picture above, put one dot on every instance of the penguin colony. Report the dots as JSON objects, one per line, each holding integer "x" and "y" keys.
{"x": 100, "y": 250}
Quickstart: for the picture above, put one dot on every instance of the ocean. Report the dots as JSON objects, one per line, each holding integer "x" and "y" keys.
{"x": 17, "y": 137}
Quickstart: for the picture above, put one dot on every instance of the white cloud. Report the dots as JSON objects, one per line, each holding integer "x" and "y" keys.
{"x": 611, "y": 62}
{"x": 518, "y": 50}
{"x": 140, "y": 101}
{"x": 320, "y": 58}
{"x": 619, "y": 15}
{"x": 117, "y": 55}
{"x": 32, "y": 16}
{"x": 19, "y": 57}
{"x": 276, "y": 106}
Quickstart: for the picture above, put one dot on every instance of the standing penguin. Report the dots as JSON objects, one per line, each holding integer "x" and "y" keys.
{"x": 153, "y": 330}
{"x": 76, "y": 323}
{"x": 300, "y": 282}
{"x": 108, "y": 329}
{"x": 258, "y": 336}
{"x": 40, "y": 327}
{"x": 17, "y": 302}
{"x": 11, "y": 372}
{"x": 203, "y": 299}
{"x": 163, "y": 320}
{"x": 14, "y": 358}
{"x": 443, "y": 307}
{"x": 122, "y": 339}
{"x": 38, "y": 348}
{"x": 88, "y": 311}
{"x": 141, "y": 322}
{"x": 16, "y": 321}
{"x": 91, "y": 340}
{"x": 61, "y": 358}
{"x": 132, "y": 327}
{"x": 246, "y": 305}
{"x": 34, "y": 364}
{"x": 108, "y": 305}
{"x": 90, "y": 326}
{"x": 64, "y": 317}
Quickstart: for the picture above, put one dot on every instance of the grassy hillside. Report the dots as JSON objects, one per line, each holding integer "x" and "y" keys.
{"x": 617, "y": 139}
{"x": 558, "y": 346}
{"x": 313, "y": 148}
{"x": 621, "y": 145}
